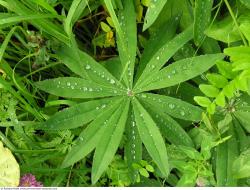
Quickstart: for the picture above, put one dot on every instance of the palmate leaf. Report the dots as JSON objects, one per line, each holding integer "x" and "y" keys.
{"x": 151, "y": 137}
{"x": 180, "y": 71}
{"x": 72, "y": 87}
{"x": 90, "y": 136}
{"x": 110, "y": 140}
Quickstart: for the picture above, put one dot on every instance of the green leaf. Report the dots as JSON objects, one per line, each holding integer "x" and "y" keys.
{"x": 90, "y": 136}
{"x": 105, "y": 27}
{"x": 76, "y": 88}
{"x": 150, "y": 168}
{"x": 224, "y": 30}
{"x": 74, "y": 13}
{"x": 45, "y": 5}
{"x": 169, "y": 128}
{"x": 225, "y": 69}
{"x": 110, "y": 140}
{"x": 72, "y": 57}
{"x": 190, "y": 152}
{"x": 128, "y": 43}
{"x": 202, "y": 101}
{"x": 163, "y": 54}
{"x": 244, "y": 118}
{"x": 157, "y": 40}
{"x": 220, "y": 100}
{"x": 241, "y": 166}
{"x": 77, "y": 115}
{"x": 9, "y": 168}
{"x": 217, "y": 80}
{"x": 133, "y": 147}
{"x": 152, "y": 13}
{"x": 181, "y": 71}
{"x": 151, "y": 137}
{"x": 172, "y": 106}
{"x": 246, "y": 3}
{"x": 187, "y": 180}
{"x": 202, "y": 15}
{"x": 144, "y": 172}
{"x": 209, "y": 90}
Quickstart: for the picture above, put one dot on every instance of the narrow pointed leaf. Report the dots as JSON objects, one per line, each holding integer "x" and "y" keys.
{"x": 74, "y": 13}
{"x": 127, "y": 19}
{"x": 151, "y": 137}
{"x": 202, "y": 15}
{"x": 157, "y": 40}
{"x": 90, "y": 136}
{"x": 133, "y": 147}
{"x": 163, "y": 55}
{"x": 77, "y": 115}
{"x": 85, "y": 66}
{"x": 181, "y": 71}
{"x": 153, "y": 11}
{"x": 110, "y": 140}
{"x": 169, "y": 128}
{"x": 72, "y": 87}
{"x": 172, "y": 106}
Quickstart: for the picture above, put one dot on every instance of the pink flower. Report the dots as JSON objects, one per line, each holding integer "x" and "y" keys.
{"x": 29, "y": 180}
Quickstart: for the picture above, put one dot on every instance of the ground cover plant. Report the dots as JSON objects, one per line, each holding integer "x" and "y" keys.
{"x": 124, "y": 93}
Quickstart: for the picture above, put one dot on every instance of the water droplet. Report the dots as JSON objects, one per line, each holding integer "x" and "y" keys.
{"x": 112, "y": 81}
{"x": 171, "y": 106}
{"x": 81, "y": 139}
{"x": 157, "y": 57}
{"x": 68, "y": 83}
{"x": 87, "y": 67}
{"x": 182, "y": 113}
{"x": 90, "y": 89}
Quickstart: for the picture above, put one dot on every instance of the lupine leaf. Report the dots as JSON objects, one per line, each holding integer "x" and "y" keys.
{"x": 151, "y": 137}
{"x": 133, "y": 147}
{"x": 110, "y": 140}
{"x": 172, "y": 106}
{"x": 163, "y": 55}
{"x": 153, "y": 11}
{"x": 88, "y": 68}
{"x": 127, "y": 47}
{"x": 76, "y": 88}
{"x": 89, "y": 137}
{"x": 77, "y": 115}
{"x": 181, "y": 71}
{"x": 202, "y": 14}
{"x": 169, "y": 128}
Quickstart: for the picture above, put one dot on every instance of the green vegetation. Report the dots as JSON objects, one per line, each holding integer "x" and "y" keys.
{"x": 125, "y": 93}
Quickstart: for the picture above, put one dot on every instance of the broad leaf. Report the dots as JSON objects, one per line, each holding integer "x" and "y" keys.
{"x": 110, "y": 140}
{"x": 151, "y": 137}
{"x": 241, "y": 166}
{"x": 244, "y": 118}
